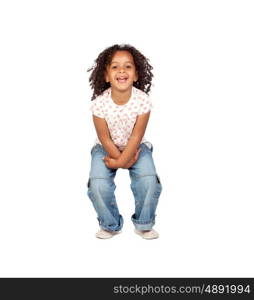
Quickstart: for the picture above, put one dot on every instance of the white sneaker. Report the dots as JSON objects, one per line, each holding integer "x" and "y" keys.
{"x": 148, "y": 234}
{"x": 104, "y": 234}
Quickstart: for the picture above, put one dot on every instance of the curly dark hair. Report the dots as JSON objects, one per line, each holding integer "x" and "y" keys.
{"x": 97, "y": 80}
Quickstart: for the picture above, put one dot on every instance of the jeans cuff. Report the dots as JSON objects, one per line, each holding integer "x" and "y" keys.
{"x": 113, "y": 227}
{"x": 143, "y": 225}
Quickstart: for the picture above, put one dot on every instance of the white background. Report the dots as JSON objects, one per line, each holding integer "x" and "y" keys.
{"x": 201, "y": 128}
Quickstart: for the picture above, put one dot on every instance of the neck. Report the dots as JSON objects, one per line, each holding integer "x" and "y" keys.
{"x": 121, "y": 97}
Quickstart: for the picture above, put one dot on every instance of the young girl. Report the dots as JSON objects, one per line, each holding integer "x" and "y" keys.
{"x": 120, "y": 80}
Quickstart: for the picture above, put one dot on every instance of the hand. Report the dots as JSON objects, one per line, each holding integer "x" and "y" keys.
{"x": 133, "y": 160}
{"x": 111, "y": 162}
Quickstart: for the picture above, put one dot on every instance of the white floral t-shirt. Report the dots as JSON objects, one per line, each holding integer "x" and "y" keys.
{"x": 121, "y": 118}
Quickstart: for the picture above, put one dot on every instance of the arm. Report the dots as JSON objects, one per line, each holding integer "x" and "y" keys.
{"x": 133, "y": 143}
{"x": 134, "y": 140}
{"x": 104, "y": 137}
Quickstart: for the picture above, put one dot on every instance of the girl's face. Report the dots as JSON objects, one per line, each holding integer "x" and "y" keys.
{"x": 121, "y": 72}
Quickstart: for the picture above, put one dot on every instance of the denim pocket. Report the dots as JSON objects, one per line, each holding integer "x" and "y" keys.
{"x": 92, "y": 149}
{"x": 158, "y": 179}
{"x": 96, "y": 148}
{"x": 88, "y": 183}
{"x": 145, "y": 148}
{"x": 159, "y": 186}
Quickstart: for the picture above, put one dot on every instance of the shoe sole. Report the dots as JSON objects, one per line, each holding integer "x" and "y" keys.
{"x": 108, "y": 237}
{"x": 142, "y": 235}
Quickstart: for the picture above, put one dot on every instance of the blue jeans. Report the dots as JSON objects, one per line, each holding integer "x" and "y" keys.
{"x": 145, "y": 185}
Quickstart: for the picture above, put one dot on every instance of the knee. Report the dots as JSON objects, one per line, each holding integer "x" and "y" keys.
{"x": 150, "y": 184}
{"x": 100, "y": 186}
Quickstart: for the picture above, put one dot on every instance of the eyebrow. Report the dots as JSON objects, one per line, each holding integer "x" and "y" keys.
{"x": 125, "y": 62}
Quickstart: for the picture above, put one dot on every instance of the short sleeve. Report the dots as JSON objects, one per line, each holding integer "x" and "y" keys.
{"x": 97, "y": 108}
{"x": 145, "y": 105}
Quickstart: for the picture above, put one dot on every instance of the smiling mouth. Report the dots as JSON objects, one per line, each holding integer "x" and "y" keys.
{"x": 122, "y": 80}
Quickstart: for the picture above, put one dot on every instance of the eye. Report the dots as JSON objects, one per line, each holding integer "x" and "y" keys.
{"x": 114, "y": 67}
{"x": 129, "y": 66}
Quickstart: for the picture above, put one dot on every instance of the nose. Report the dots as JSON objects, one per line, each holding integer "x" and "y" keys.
{"x": 121, "y": 69}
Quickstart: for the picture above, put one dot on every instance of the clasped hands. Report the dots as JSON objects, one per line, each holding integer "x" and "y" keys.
{"x": 115, "y": 163}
